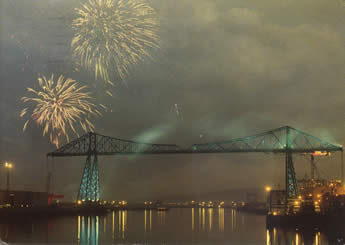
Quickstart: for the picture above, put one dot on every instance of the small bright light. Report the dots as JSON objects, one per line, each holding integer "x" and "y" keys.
{"x": 299, "y": 197}
{"x": 274, "y": 213}
{"x": 268, "y": 188}
{"x": 78, "y": 202}
{"x": 321, "y": 153}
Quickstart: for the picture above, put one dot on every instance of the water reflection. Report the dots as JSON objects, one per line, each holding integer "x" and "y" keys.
{"x": 274, "y": 234}
{"x": 122, "y": 222}
{"x": 89, "y": 227}
{"x": 150, "y": 220}
{"x": 88, "y": 230}
{"x": 206, "y": 225}
{"x": 199, "y": 218}
{"x": 210, "y": 216}
{"x": 317, "y": 238}
{"x": 113, "y": 226}
{"x": 233, "y": 219}
{"x": 104, "y": 223}
{"x": 193, "y": 223}
{"x": 268, "y": 237}
{"x": 79, "y": 229}
{"x": 221, "y": 219}
{"x": 307, "y": 235}
{"x": 203, "y": 219}
{"x": 161, "y": 215}
{"x": 147, "y": 220}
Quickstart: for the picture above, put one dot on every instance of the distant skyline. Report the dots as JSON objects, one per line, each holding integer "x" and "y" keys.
{"x": 226, "y": 69}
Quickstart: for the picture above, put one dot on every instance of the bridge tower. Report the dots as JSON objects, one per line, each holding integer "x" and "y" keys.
{"x": 290, "y": 178}
{"x": 89, "y": 189}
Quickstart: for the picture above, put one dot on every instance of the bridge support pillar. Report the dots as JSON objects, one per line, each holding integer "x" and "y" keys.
{"x": 290, "y": 178}
{"x": 89, "y": 189}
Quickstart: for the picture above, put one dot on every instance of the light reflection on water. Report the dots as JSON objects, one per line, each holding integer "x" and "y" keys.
{"x": 176, "y": 226}
{"x": 233, "y": 219}
{"x": 221, "y": 219}
{"x": 193, "y": 224}
{"x": 311, "y": 235}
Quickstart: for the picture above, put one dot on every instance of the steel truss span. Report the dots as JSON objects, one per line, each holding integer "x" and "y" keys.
{"x": 280, "y": 140}
{"x": 96, "y": 144}
{"x": 287, "y": 140}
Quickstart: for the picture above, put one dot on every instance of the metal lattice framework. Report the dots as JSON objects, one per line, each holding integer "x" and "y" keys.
{"x": 285, "y": 140}
{"x": 85, "y": 181}
{"x": 89, "y": 187}
{"x": 96, "y": 144}
{"x": 279, "y": 140}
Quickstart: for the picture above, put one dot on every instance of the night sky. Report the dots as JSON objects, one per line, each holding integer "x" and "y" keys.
{"x": 233, "y": 68}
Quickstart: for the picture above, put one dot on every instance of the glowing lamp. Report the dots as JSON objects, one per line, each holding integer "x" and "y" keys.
{"x": 321, "y": 153}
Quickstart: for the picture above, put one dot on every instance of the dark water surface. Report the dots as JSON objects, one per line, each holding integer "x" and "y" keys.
{"x": 176, "y": 226}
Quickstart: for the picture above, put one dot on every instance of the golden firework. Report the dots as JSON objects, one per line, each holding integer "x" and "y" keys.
{"x": 60, "y": 107}
{"x": 113, "y": 35}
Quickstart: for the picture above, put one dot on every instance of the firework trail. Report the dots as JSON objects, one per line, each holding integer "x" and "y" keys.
{"x": 60, "y": 107}
{"x": 114, "y": 35}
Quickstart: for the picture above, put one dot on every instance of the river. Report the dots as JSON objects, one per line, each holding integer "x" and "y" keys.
{"x": 175, "y": 226}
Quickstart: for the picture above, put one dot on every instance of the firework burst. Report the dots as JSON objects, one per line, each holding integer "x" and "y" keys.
{"x": 113, "y": 35}
{"x": 60, "y": 107}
